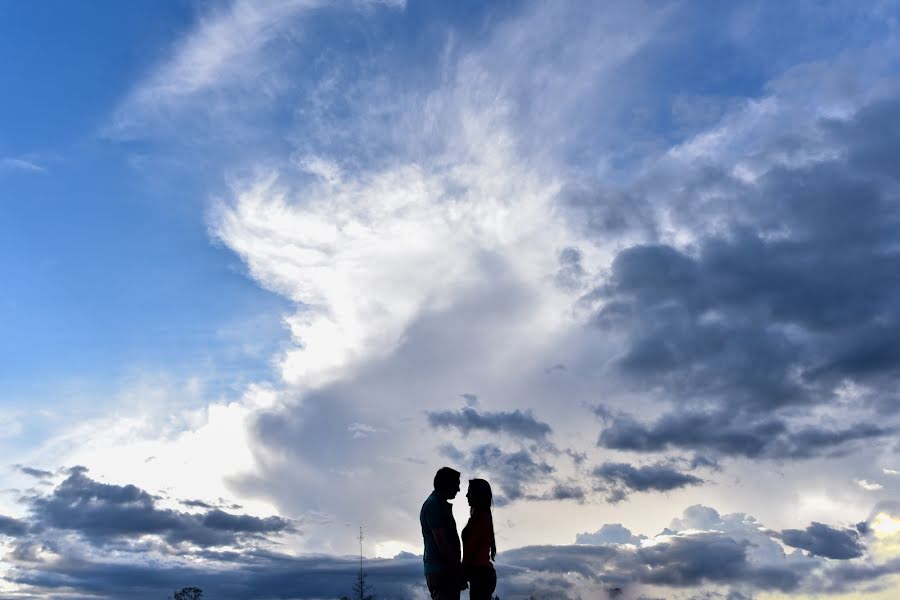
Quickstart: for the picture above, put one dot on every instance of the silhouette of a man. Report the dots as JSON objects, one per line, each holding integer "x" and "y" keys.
{"x": 443, "y": 566}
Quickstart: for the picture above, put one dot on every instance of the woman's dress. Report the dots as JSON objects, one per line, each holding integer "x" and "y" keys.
{"x": 477, "y": 539}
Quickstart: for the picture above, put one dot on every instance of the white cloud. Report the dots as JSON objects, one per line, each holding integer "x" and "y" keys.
{"x": 425, "y": 271}
{"x": 447, "y": 255}
{"x": 433, "y": 263}
{"x": 365, "y": 255}
{"x": 373, "y": 252}
{"x": 365, "y": 251}
{"x": 869, "y": 486}
{"x": 360, "y": 430}
{"x": 227, "y": 60}
{"x": 221, "y": 51}
{"x": 167, "y": 437}
{"x": 21, "y": 164}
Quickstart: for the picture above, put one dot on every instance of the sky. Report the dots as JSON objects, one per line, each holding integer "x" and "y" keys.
{"x": 266, "y": 266}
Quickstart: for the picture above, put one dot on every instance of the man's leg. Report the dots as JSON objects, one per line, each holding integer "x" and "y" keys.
{"x": 442, "y": 586}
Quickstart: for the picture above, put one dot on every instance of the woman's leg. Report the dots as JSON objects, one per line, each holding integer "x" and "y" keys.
{"x": 482, "y": 583}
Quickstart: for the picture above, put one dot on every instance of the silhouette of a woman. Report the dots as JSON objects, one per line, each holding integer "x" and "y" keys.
{"x": 479, "y": 547}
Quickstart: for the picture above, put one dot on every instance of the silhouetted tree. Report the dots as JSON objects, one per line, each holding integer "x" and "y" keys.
{"x": 361, "y": 589}
{"x": 189, "y": 593}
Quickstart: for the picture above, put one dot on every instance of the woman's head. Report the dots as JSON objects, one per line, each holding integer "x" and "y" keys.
{"x": 480, "y": 497}
{"x": 479, "y": 494}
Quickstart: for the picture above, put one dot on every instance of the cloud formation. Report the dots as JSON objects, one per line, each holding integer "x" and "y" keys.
{"x": 512, "y": 471}
{"x": 226, "y": 575}
{"x": 55, "y": 549}
{"x": 715, "y": 262}
{"x": 12, "y": 527}
{"x": 826, "y": 541}
{"x": 623, "y": 478}
{"x": 610, "y": 533}
{"x": 773, "y": 309}
{"x": 729, "y": 433}
{"x": 103, "y": 513}
{"x": 517, "y": 424}
{"x": 705, "y": 550}
{"x": 36, "y": 473}
{"x": 429, "y": 246}
{"x": 27, "y": 165}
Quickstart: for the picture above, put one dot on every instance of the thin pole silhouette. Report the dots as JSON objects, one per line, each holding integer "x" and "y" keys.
{"x": 361, "y": 591}
{"x": 360, "y": 562}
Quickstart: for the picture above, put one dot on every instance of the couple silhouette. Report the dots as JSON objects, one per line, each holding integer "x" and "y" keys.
{"x": 449, "y": 569}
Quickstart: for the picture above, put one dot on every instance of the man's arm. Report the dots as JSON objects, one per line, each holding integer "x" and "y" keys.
{"x": 449, "y": 551}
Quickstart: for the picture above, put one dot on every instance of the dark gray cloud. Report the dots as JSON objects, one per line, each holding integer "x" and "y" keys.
{"x": 674, "y": 560}
{"x": 518, "y": 424}
{"x": 607, "y": 213}
{"x": 583, "y": 560}
{"x": 453, "y": 453}
{"x": 690, "y": 560}
{"x": 196, "y": 504}
{"x": 223, "y": 521}
{"x": 846, "y": 576}
{"x": 683, "y": 561}
{"x": 826, "y": 541}
{"x": 562, "y": 491}
{"x": 221, "y": 503}
{"x": 36, "y": 473}
{"x": 571, "y": 275}
{"x": 12, "y": 527}
{"x": 577, "y": 457}
{"x": 513, "y": 474}
{"x": 660, "y": 296}
{"x": 706, "y": 548}
{"x": 622, "y": 478}
{"x": 791, "y": 293}
{"x": 251, "y": 575}
{"x": 103, "y": 513}
{"x": 725, "y": 432}
{"x": 512, "y": 471}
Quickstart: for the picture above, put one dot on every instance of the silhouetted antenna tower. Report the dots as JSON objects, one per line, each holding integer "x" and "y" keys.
{"x": 361, "y": 590}
{"x": 360, "y": 553}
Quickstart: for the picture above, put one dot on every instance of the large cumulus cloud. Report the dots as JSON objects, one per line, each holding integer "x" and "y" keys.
{"x": 790, "y": 297}
{"x": 518, "y": 223}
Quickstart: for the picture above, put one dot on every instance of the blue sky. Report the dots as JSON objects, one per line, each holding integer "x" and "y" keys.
{"x": 108, "y": 268}
{"x": 266, "y": 266}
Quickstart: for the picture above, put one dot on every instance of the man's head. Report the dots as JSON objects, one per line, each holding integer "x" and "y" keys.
{"x": 446, "y": 482}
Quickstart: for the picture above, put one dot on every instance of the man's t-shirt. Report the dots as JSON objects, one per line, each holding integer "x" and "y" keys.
{"x": 437, "y": 513}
